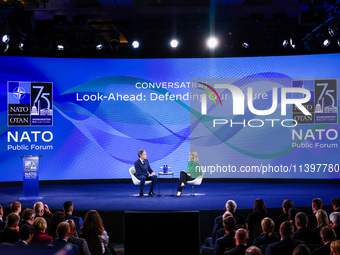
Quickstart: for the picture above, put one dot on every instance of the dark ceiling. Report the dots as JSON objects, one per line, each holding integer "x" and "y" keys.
{"x": 80, "y": 23}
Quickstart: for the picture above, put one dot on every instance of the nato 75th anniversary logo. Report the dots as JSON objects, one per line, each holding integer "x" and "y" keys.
{"x": 30, "y": 103}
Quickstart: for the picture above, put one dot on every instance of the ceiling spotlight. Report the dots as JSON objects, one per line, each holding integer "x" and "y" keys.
{"x": 21, "y": 46}
{"x": 212, "y": 42}
{"x": 174, "y": 43}
{"x": 5, "y": 38}
{"x": 292, "y": 43}
{"x": 99, "y": 46}
{"x": 135, "y": 44}
{"x": 245, "y": 45}
{"x": 284, "y": 43}
{"x": 326, "y": 42}
{"x": 60, "y": 47}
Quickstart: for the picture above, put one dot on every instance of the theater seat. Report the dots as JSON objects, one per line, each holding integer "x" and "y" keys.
{"x": 135, "y": 180}
{"x": 196, "y": 182}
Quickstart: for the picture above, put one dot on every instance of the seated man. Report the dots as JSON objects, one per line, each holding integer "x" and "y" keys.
{"x": 144, "y": 172}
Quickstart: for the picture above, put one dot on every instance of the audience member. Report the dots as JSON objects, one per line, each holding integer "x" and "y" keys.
{"x": 241, "y": 240}
{"x": 335, "y": 205}
{"x": 334, "y": 219}
{"x": 56, "y": 218}
{"x": 321, "y": 219}
{"x": 327, "y": 236}
{"x": 316, "y": 205}
{"x": 27, "y": 217}
{"x": 80, "y": 242}
{"x": 63, "y": 233}
{"x": 335, "y": 247}
{"x": 301, "y": 249}
{"x": 291, "y": 216}
{"x": 253, "y": 250}
{"x": 286, "y": 205}
{"x": 268, "y": 235}
{"x": 92, "y": 228}
{"x": 254, "y": 219}
{"x": 39, "y": 236}
{"x": 2, "y": 222}
{"x": 226, "y": 241}
{"x": 10, "y": 234}
{"x": 15, "y": 207}
{"x": 231, "y": 207}
{"x": 25, "y": 236}
{"x": 68, "y": 209}
{"x": 42, "y": 210}
{"x": 287, "y": 244}
{"x": 303, "y": 233}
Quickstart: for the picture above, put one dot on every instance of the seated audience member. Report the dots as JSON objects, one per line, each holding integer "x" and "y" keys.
{"x": 10, "y": 233}
{"x": 334, "y": 219}
{"x": 327, "y": 236}
{"x": 68, "y": 210}
{"x": 42, "y": 210}
{"x": 286, "y": 205}
{"x": 322, "y": 220}
{"x": 335, "y": 247}
{"x": 56, "y": 218}
{"x": 254, "y": 218}
{"x": 253, "y": 250}
{"x": 2, "y": 222}
{"x": 303, "y": 233}
{"x": 301, "y": 249}
{"x": 27, "y": 217}
{"x": 92, "y": 231}
{"x": 226, "y": 241}
{"x": 15, "y": 207}
{"x": 291, "y": 216}
{"x": 316, "y": 205}
{"x": 80, "y": 242}
{"x": 268, "y": 235}
{"x": 25, "y": 235}
{"x": 63, "y": 234}
{"x": 39, "y": 236}
{"x": 287, "y": 244}
{"x": 335, "y": 205}
{"x": 241, "y": 240}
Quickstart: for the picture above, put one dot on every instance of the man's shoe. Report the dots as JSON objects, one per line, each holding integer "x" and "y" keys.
{"x": 151, "y": 194}
{"x": 141, "y": 194}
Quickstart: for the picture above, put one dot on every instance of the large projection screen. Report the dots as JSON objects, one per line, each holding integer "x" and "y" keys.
{"x": 274, "y": 117}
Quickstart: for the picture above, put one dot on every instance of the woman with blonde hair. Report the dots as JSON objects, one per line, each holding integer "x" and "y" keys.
{"x": 39, "y": 236}
{"x": 335, "y": 247}
{"x": 193, "y": 171}
{"x": 321, "y": 219}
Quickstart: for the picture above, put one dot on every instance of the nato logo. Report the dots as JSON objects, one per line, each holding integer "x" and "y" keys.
{"x": 30, "y": 103}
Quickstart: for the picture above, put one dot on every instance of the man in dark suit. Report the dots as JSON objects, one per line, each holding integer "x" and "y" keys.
{"x": 303, "y": 233}
{"x": 61, "y": 242}
{"x": 327, "y": 236}
{"x": 334, "y": 219}
{"x": 287, "y": 244}
{"x": 286, "y": 205}
{"x": 226, "y": 241}
{"x": 27, "y": 217}
{"x": 2, "y": 222}
{"x": 316, "y": 205}
{"x": 68, "y": 210}
{"x": 10, "y": 234}
{"x": 335, "y": 205}
{"x": 80, "y": 242}
{"x": 241, "y": 240}
{"x": 25, "y": 235}
{"x": 144, "y": 172}
{"x": 42, "y": 210}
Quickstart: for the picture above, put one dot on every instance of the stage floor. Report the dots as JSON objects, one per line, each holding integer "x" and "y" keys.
{"x": 117, "y": 196}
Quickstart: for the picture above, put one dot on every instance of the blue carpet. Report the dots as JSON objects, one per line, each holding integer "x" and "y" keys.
{"x": 118, "y": 196}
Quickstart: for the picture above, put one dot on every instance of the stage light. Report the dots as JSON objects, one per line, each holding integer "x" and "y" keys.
{"x": 60, "y": 47}
{"x": 5, "y": 38}
{"x": 21, "y": 46}
{"x": 212, "y": 42}
{"x": 326, "y": 42}
{"x": 135, "y": 44}
{"x": 292, "y": 43}
{"x": 333, "y": 29}
{"x": 174, "y": 43}
{"x": 245, "y": 45}
{"x": 284, "y": 43}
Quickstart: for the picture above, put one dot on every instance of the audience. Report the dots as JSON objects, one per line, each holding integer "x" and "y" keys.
{"x": 286, "y": 205}
{"x": 327, "y": 236}
{"x": 63, "y": 233}
{"x": 241, "y": 240}
{"x": 2, "y": 222}
{"x": 253, "y": 250}
{"x": 42, "y": 210}
{"x": 301, "y": 249}
{"x": 68, "y": 210}
{"x": 10, "y": 234}
{"x": 27, "y": 217}
{"x": 303, "y": 233}
{"x": 39, "y": 236}
{"x": 25, "y": 236}
{"x": 226, "y": 241}
{"x": 15, "y": 207}
{"x": 80, "y": 242}
{"x": 56, "y": 218}
{"x": 254, "y": 219}
{"x": 316, "y": 205}
{"x": 321, "y": 219}
{"x": 335, "y": 247}
{"x": 287, "y": 244}
{"x": 335, "y": 204}
{"x": 268, "y": 236}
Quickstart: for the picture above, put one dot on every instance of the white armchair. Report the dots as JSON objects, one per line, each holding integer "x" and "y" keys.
{"x": 135, "y": 180}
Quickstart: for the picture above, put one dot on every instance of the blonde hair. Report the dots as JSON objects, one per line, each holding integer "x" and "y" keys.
{"x": 335, "y": 247}
{"x": 322, "y": 218}
{"x": 39, "y": 224}
{"x": 267, "y": 225}
{"x": 194, "y": 153}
